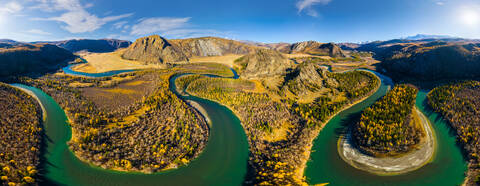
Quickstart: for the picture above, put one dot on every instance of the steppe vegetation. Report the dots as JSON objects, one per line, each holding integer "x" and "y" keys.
{"x": 104, "y": 62}
{"x": 20, "y": 137}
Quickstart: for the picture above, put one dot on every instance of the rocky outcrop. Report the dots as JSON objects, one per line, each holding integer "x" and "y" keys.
{"x": 211, "y": 46}
{"x": 307, "y": 78}
{"x": 32, "y": 59}
{"x": 264, "y": 63}
{"x": 154, "y": 50}
{"x": 313, "y": 48}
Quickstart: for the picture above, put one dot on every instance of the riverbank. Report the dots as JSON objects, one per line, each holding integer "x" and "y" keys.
{"x": 44, "y": 111}
{"x": 390, "y": 165}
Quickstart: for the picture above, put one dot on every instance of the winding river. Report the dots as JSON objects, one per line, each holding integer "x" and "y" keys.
{"x": 222, "y": 162}
{"x": 224, "y": 159}
{"x": 326, "y": 166}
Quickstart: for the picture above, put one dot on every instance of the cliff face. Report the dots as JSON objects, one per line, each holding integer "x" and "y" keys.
{"x": 264, "y": 63}
{"x": 311, "y": 47}
{"x": 431, "y": 61}
{"x": 154, "y": 49}
{"x": 32, "y": 59}
{"x": 211, "y": 46}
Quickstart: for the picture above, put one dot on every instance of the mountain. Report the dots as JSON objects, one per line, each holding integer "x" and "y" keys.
{"x": 154, "y": 49}
{"x": 211, "y": 46}
{"x": 264, "y": 63}
{"x": 426, "y": 36}
{"x": 90, "y": 45}
{"x": 311, "y": 47}
{"x": 431, "y": 60}
{"x": 8, "y": 41}
{"x": 32, "y": 59}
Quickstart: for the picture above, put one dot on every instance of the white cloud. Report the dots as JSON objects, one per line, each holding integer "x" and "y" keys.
{"x": 307, "y": 5}
{"x": 76, "y": 18}
{"x": 120, "y": 24}
{"x": 172, "y": 28}
{"x": 11, "y": 8}
{"x": 158, "y": 24}
{"x": 440, "y": 3}
{"x": 38, "y": 32}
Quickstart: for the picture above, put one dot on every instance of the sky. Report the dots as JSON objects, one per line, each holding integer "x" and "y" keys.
{"x": 266, "y": 21}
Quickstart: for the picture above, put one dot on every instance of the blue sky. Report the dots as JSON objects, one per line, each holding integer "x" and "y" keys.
{"x": 255, "y": 20}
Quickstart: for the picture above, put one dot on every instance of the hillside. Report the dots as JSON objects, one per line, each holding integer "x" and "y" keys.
{"x": 32, "y": 59}
{"x": 263, "y": 63}
{"x": 154, "y": 50}
{"x": 459, "y": 104}
{"x": 430, "y": 60}
{"x": 211, "y": 46}
{"x": 312, "y": 48}
{"x": 90, "y": 45}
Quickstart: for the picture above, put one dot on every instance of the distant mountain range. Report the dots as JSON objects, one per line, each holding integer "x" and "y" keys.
{"x": 91, "y": 45}
{"x": 76, "y": 45}
{"x": 427, "y": 57}
{"x": 426, "y": 36}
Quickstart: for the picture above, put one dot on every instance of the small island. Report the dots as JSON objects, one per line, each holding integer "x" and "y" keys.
{"x": 391, "y": 136}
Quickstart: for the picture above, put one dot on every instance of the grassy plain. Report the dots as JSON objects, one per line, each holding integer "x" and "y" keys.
{"x": 104, "y": 62}
{"x": 225, "y": 60}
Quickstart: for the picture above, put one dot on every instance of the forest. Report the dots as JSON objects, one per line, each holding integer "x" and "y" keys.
{"x": 20, "y": 136}
{"x": 276, "y": 161}
{"x": 354, "y": 85}
{"x": 157, "y": 132}
{"x": 272, "y": 162}
{"x": 459, "y": 104}
{"x": 387, "y": 127}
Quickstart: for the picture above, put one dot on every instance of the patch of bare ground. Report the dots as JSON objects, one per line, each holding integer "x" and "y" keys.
{"x": 122, "y": 95}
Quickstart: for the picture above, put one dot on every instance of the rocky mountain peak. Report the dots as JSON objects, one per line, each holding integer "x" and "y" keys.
{"x": 154, "y": 49}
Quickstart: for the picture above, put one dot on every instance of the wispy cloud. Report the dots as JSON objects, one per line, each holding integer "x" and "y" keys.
{"x": 158, "y": 24}
{"x": 38, "y": 32}
{"x": 76, "y": 18}
{"x": 120, "y": 24}
{"x": 440, "y": 3}
{"x": 173, "y": 28}
{"x": 307, "y": 5}
{"x": 11, "y": 8}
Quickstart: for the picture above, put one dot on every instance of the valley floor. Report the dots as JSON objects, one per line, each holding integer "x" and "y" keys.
{"x": 104, "y": 62}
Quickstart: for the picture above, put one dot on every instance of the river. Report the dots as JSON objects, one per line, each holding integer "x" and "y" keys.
{"x": 224, "y": 159}
{"x": 326, "y": 166}
{"x": 222, "y": 162}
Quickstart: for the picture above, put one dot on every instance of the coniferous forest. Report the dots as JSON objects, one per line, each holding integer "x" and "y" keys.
{"x": 387, "y": 127}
